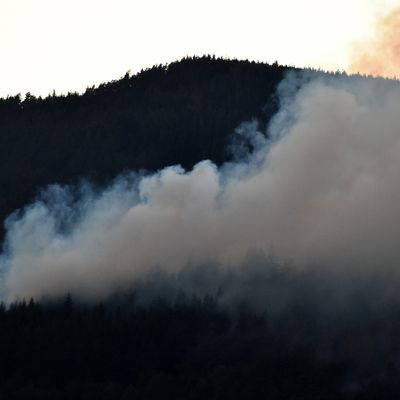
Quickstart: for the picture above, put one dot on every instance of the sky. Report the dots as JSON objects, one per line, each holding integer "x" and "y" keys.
{"x": 68, "y": 45}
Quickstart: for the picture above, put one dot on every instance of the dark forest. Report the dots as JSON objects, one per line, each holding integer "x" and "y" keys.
{"x": 267, "y": 331}
{"x": 179, "y": 113}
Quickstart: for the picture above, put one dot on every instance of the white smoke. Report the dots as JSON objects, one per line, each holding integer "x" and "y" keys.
{"x": 325, "y": 191}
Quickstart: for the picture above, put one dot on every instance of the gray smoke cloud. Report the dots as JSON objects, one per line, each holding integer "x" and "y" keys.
{"x": 323, "y": 191}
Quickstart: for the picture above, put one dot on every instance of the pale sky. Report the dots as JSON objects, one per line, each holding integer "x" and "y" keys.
{"x": 68, "y": 45}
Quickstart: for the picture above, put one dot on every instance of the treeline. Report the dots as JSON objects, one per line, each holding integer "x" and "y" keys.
{"x": 187, "y": 349}
{"x": 179, "y": 113}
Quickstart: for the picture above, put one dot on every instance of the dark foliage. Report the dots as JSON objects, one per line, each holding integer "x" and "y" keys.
{"x": 191, "y": 349}
{"x": 179, "y": 113}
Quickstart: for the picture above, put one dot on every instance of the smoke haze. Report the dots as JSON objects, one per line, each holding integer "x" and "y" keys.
{"x": 380, "y": 56}
{"x": 322, "y": 192}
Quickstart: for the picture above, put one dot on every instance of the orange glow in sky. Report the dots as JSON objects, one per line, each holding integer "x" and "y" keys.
{"x": 380, "y": 55}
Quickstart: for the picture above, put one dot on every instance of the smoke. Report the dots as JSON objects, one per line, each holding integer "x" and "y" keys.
{"x": 380, "y": 56}
{"x": 321, "y": 193}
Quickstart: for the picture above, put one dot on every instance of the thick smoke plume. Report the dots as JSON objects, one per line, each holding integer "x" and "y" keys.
{"x": 380, "y": 56}
{"x": 322, "y": 192}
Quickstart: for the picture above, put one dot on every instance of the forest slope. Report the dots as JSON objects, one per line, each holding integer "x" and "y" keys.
{"x": 179, "y": 113}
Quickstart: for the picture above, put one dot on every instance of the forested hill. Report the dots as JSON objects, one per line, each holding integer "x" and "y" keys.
{"x": 179, "y": 113}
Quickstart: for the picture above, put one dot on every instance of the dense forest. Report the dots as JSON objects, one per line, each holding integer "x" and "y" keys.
{"x": 197, "y": 347}
{"x": 189, "y": 350}
{"x": 179, "y": 113}
{"x": 268, "y": 333}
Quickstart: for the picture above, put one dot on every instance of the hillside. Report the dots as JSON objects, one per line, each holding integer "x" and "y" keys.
{"x": 169, "y": 114}
{"x": 274, "y": 276}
